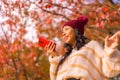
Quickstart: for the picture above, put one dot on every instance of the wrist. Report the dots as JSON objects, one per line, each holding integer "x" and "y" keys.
{"x": 109, "y": 51}
{"x": 54, "y": 54}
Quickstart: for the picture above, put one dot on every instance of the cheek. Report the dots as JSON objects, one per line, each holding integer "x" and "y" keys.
{"x": 72, "y": 34}
{"x": 73, "y": 37}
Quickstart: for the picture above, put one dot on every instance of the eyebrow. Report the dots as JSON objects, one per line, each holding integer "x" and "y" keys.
{"x": 67, "y": 27}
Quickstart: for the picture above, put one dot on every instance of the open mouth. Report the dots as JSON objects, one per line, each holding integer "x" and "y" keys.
{"x": 65, "y": 38}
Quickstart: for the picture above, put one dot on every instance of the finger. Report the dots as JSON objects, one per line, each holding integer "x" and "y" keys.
{"x": 107, "y": 38}
{"x": 49, "y": 44}
{"x": 52, "y": 45}
{"x": 117, "y": 34}
{"x": 117, "y": 39}
{"x": 45, "y": 48}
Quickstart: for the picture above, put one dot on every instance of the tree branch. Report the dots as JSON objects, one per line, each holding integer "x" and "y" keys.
{"x": 77, "y": 12}
{"x": 22, "y": 65}
{"x": 54, "y": 13}
{"x": 16, "y": 70}
{"x": 6, "y": 39}
{"x": 106, "y": 30}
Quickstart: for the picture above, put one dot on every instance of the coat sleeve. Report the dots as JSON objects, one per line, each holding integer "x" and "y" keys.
{"x": 110, "y": 59}
{"x": 111, "y": 62}
{"x": 53, "y": 66}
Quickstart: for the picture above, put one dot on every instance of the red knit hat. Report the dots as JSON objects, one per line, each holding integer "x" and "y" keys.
{"x": 78, "y": 23}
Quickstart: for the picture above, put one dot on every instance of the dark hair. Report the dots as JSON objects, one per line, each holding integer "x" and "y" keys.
{"x": 80, "y": 41}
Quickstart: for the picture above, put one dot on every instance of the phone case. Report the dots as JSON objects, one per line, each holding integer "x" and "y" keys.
{"x": 43, "y": 42}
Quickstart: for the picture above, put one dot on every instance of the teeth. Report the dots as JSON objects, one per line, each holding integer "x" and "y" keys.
{"x": 65, "y": 38}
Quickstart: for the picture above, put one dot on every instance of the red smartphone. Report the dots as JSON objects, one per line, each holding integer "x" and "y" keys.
{"x": 43, "y": 42}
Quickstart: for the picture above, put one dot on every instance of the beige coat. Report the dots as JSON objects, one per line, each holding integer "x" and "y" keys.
{"x": 91, "y": 62}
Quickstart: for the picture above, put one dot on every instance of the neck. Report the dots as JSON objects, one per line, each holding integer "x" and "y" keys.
{"x": 74, "y": 45}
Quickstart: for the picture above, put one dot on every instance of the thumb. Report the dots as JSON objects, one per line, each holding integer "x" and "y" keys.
{"x": 106, "y": 40}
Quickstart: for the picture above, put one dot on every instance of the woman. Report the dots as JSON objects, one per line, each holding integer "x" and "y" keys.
{"x": 84, "y": 60}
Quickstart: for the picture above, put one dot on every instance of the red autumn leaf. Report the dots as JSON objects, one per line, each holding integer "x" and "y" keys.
{"x": 104, "y": 9}
{"x": 50, "y": 0}
{"x": 5, "y": 2}
{"x": 22, "y": 30}
{"x": 2, "y": 59}
{"x": 14, "y": 49}
{"x": 32, "y": 56}
{"x": 114, "y": 13}
{"x": 48, "y": 6}
{"x": 22, "y": 5}
{"x": 40, "y": 1}
{"x": 62, "y": 0}
{"x": 49, "y": 20}
{"x": 100, "y": 24}
{"x": 9, "y": 21}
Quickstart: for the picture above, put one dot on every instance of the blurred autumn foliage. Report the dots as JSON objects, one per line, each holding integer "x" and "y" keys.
{"x": 23, "y": 59}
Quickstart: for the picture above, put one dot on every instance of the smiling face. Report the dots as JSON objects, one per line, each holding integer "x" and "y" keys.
{"x": 69, "y": 35}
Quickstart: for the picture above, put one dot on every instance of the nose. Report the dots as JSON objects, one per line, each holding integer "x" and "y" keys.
{"x": 63, "y": 33}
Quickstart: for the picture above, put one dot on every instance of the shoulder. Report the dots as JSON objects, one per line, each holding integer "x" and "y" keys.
{"x": 91, "y": 46}
{"x": 93, "y": 43}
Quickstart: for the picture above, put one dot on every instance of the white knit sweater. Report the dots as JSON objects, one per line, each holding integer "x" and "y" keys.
{"x": 91, "y": 62}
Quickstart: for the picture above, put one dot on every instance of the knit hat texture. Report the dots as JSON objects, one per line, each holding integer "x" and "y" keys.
{"x": 78, "y": 23}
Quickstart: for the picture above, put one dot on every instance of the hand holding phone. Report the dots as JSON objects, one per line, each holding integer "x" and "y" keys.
{"x": 43, "y": 42}
{"x": 48, "y": 45}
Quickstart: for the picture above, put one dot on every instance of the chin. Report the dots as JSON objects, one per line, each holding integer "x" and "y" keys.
{"x": 67, "y": 42}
